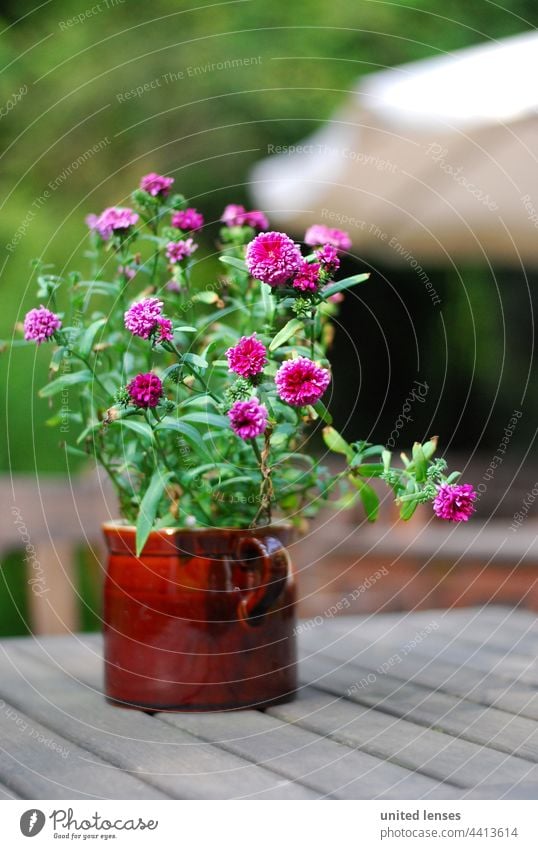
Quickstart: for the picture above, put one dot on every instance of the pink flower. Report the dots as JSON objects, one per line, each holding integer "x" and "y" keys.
{"x": 319, "y": 234}
{"x": 235, "y": 215}
{"x": 337, "y": 298}
{"x": 40, "y": 324}
{"x": 145, "y": 390}
{"x": 328, "y": 257}
{"x": 248, "y": 357}
{"x": 273, "y": 258}
{"x": 307, "y": 279}
{"x": 156, "y": 184}
{"x": 256, "y": 219}
{"x": 173, "y": 286}
{"x": 454, "y": 502}
{"x": 177, "y": 251}
{"x": 166, "y": 333}
{"x": 127, "y": 271}
{"x": 188, "y": 219}
{"x": 114, "y": 219}
{"x": 248, "y": 419}
{"x": 143, "y": 317}
{"x": 300, "y": 382}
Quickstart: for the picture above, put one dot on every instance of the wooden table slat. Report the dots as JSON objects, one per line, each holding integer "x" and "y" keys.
{"x": 461, "y": 680}
{"x": 170, "y": 760}
{"x": 455, "y": 715}
{"x": 326, "y": 765}
{"x": 479, "y": 724}
{"x": 426, "y": 750}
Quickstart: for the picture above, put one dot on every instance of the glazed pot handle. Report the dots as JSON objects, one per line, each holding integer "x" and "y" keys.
{"x": 270, "y": 560}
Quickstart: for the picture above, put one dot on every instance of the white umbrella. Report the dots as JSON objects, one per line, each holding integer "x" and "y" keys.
{"x": 429, "y": 162}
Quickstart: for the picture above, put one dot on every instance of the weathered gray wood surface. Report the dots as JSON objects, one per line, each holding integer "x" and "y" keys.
{"x": 436, "y": 704}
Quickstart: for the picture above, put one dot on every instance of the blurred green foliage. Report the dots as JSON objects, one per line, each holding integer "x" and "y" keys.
{"x": 286, "y": 66}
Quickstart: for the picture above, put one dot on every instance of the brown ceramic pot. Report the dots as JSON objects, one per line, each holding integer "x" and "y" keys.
{"x": 202, "y": 620}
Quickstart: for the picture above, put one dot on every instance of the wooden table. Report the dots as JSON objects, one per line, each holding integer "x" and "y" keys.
{"x": 429, "y": 705}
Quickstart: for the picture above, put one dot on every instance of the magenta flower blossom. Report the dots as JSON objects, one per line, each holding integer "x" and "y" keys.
{"x": 454, "y": 502}
{"x": 248, "y": 357}
{"x": 236, "y": 215}
{"x": 156, "y": 185}
{"x": 248, "y": 419}
{"x": 178, "y": 251}
{"x": 319, "y": 234}
{"x": 329, "y": 259}
{"x": 40, "y": 324}
{"x": 145, "y": 317}
{"x": 114, "y": 219}
{"x": 127, "y": 271}
{"x": 166, "y": 333}
{"x": 301, "y": 381}
{"x": 307, "y": 279}
{"x": 256, "y": 219}
{"x": 145, "y": 390}
{"x": 273, "y": 258}
{"x": 188, "y": 219}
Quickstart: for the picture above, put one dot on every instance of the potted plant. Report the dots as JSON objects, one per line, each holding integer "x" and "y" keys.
{"x": 199, "y": 401}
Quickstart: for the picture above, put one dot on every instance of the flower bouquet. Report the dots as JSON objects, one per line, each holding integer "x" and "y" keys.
{"x": 199, "y": 401}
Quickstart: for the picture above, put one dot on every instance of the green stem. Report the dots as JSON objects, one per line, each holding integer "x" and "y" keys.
{"x": 90, "y": 367}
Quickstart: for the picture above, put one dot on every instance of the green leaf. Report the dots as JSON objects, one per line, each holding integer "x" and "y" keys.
{"x": 420, "y": 462}
{"x": 268, "y": 302}
{"x": 195, "y": 360}
{"x": 407, "y": 508}
{"x": 369, "y": 470}
{"x": 148, "y": 508}
{"x": 142, "y": 429}
{"x": 210, "y": 419}
{"x": 98, "y": 287}
{"x": 75, "y": 452}
{"x": 57, "y": 358}
{"x": 64, "y": 382}
{"x": 321, "y": 410}
{"x": 234, "y": 262}
{"x": 206, "y": 297}
{"x": 335, "y": 442}
{"x": 289, "y": 330}
{"x": 86, "y": 340}
{"x": 333, "y": 288}
{"x": 369, "y": 498}
{"x": 188, "y": 431}
{"x": 430, "y": 447}
{"x": 386, "y": 456}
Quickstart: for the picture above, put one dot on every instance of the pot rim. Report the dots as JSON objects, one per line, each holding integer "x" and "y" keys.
{"x": 121, "y": 525}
